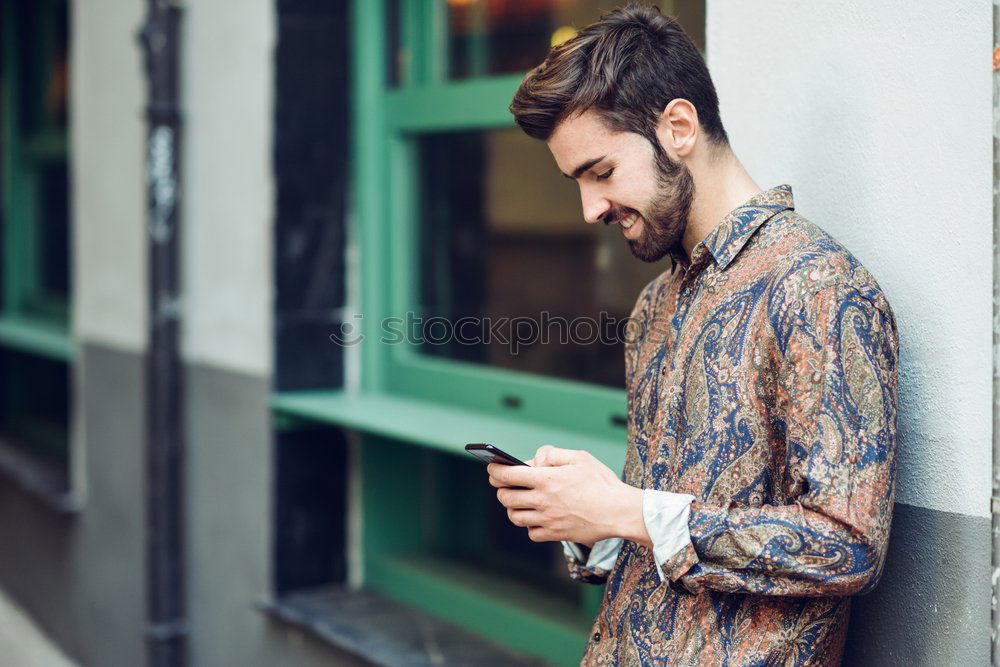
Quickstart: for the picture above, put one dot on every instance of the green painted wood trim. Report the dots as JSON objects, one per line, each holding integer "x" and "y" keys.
{"x": 513, "y": 615}
{"x": 393, "y": 506}
{"x": 15, "y": 271}
{"x": 473, "y": 104}
{"x": 22, "y": 157}
{"x": 385, "y": 126}
{"x": 434, "y": 27}
{"x": 439, "y": 426}
{"x": 422, "y": 32}
{"x": 44, "y": 339}
{"x": 597, "y": 410}
{"x": 369, "y": 225}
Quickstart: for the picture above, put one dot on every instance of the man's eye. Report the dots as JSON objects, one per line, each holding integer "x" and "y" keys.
{"x": 606, "y": 175}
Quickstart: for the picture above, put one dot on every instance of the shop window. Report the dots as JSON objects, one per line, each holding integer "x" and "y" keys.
{"x": 456, "y": 214}
{"x": 35, "y": 343}
{"x": 503, "y": 242}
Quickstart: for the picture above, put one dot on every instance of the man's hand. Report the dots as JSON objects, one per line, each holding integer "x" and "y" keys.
{"x": 569, "y": 495}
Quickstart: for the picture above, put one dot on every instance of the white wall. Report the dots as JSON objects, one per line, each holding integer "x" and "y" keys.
{"x": 107, "y": 139}
{"x": 880, "y": 117}
{"x": 228, "y": 187}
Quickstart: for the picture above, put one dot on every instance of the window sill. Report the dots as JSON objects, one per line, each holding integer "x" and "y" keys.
{"x": 36, "y": 337}
{"x": 384, "y": 632}
{"x": 38, "y": 479}
{"x": 437, "y": 425}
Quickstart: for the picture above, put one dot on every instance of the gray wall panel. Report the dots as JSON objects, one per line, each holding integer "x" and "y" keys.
{"x": 932, "y": 606}
{"x": 81, "y": 576}
{"x": 229, "y": 527}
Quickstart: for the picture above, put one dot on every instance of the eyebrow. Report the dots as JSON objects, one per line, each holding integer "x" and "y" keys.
{"x": 584, "y": 166}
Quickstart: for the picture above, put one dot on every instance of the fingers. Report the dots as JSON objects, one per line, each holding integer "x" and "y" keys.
{"x": 541, "y": 534}
{"x": 547, "y": 455}
{"x": 517, "y": 499}
{"x": 503, "y": 475}
{"x": 529, "y": 519}
{"x": 524, "y": 518}
{"x": 541, "y": 456}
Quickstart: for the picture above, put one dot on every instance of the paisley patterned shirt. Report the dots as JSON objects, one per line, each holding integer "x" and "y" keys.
{"x": 763, "y": 381}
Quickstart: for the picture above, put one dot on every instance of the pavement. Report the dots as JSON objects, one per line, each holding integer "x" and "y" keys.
{"x": 22, "y": 642}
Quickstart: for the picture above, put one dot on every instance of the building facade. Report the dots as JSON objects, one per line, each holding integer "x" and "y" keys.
{"x": 351, "y": 186}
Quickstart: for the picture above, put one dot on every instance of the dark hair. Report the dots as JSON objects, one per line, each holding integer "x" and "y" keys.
{"x": 627, "y": 66}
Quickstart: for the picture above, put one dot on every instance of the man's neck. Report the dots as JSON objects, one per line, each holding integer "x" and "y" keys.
{"x": 721, "y": 185}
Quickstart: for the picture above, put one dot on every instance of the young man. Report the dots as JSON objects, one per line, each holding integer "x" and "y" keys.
{"x": 762, "y": 379}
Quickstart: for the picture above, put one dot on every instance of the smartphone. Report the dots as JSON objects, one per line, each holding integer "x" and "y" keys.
{"x": 487, "y": 453}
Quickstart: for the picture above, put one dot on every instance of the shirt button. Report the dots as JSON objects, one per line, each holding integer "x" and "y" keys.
{"x": 597, "y": 636}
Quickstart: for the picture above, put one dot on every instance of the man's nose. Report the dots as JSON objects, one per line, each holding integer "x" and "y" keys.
{"x": 594, "y": 205}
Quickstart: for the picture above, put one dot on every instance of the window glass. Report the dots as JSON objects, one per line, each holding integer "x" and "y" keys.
{"x": 43, "y": 48}
{"x": 54, "y": 248}
{"x": 503, "y": 36}
{"x": 38, "y": 69}
{"x": 512, "y": 276}
{"x": 34, "y": 405}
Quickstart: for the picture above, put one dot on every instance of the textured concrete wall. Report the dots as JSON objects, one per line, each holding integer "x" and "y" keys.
{"x": 879, "y": 115}
{"x": 107, "y": 144}
{"x": 228, "y": 184}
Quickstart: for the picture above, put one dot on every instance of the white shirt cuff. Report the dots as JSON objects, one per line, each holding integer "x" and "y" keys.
{"x": 602, "y": 556}
{"x": 666, "y": 517}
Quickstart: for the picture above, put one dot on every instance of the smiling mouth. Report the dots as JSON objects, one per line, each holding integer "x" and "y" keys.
{"x": 626, "y": 220}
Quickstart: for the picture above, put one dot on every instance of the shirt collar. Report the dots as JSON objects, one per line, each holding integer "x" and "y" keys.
{"x": 729, "y": 237}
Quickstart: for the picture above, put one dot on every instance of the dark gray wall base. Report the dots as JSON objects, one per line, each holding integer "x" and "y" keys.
{"x": 81, "y": 576}
{"x": 932, "y": 606}
{"x": 230, "y": 519}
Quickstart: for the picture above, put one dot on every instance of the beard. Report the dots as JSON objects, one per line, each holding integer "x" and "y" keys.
{"x": 667, "y": 214}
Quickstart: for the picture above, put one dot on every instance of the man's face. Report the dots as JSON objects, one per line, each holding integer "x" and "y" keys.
{"x": 624, "y": 180}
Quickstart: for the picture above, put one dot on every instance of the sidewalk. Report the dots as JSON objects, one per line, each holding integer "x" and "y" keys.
{"x": 22, "y": 643}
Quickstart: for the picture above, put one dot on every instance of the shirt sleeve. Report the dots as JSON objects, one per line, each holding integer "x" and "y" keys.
{"x": 835, "y": 388}
{"x": 665, "y": 516}
{"x": 592, "y": 565}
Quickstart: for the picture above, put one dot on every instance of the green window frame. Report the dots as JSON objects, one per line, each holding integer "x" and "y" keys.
{"x": 388, "y": 120}
{"x": 414, "y": 412}
{"x": 31, "y": 320}
{"x": 36, "y": 346}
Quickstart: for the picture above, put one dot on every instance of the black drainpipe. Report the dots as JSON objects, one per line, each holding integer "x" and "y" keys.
{"x": 166, "y": 630}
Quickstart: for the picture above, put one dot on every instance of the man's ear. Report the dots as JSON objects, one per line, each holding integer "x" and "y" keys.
{"x": 678, "y": 128}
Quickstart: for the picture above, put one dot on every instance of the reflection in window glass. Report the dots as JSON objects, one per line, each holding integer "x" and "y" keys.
{"x": 503, "y": 36}
{"x": 503, "y": 236}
